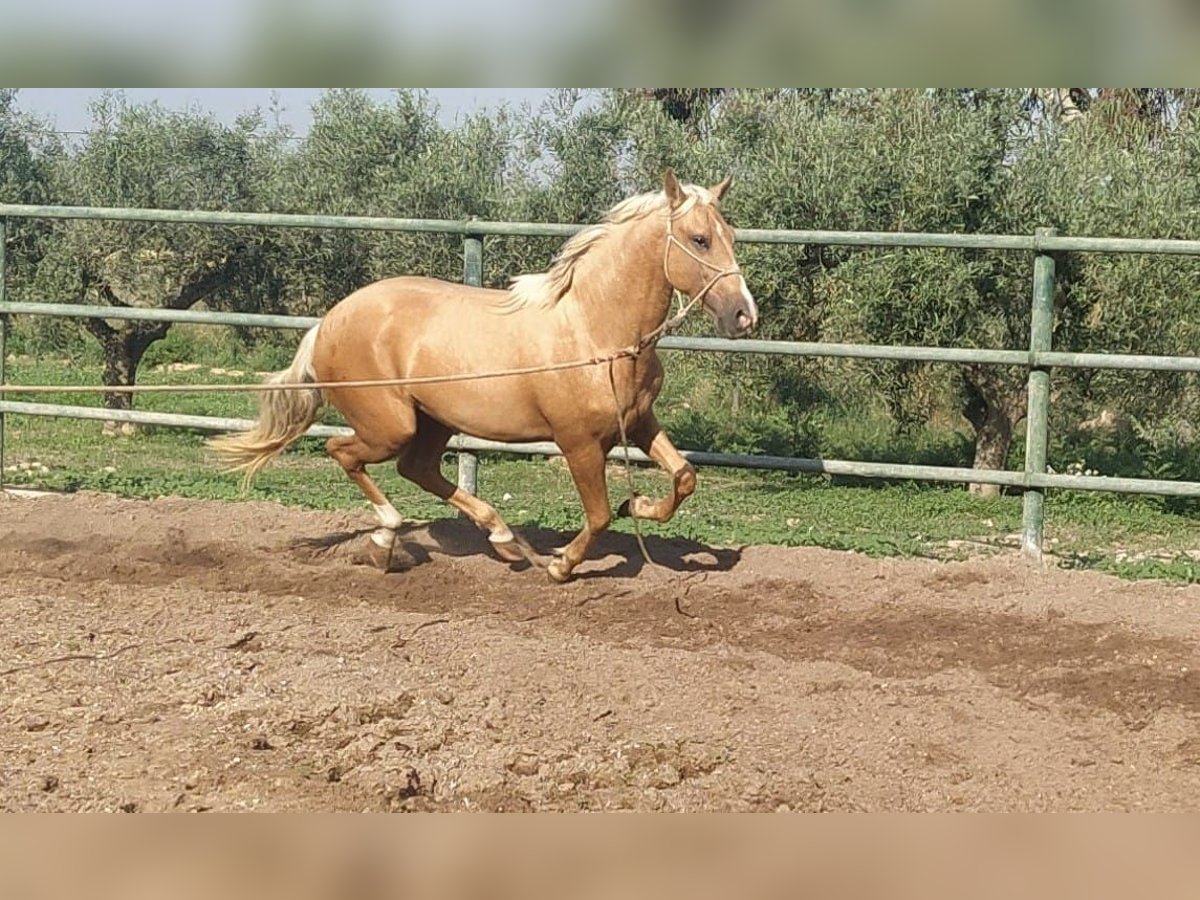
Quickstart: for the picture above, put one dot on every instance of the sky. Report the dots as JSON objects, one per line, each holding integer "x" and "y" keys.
{"x": 67, "y": 108}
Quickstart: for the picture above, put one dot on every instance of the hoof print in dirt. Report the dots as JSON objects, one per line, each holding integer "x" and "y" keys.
{"x": 413, "y": 795}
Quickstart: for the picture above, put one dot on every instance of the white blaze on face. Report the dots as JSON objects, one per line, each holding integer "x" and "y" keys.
{"x": 747, "y": 297}
{"x": 751, "y": 306}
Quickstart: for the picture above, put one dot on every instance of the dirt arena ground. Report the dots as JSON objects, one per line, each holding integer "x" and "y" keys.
{"x": 182, "y": 655}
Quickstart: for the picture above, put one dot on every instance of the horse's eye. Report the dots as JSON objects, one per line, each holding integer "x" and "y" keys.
{"x": 700, "y": 241}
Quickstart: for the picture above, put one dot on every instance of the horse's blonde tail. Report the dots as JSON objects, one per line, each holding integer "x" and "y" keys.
{"x": 283, "y": 417}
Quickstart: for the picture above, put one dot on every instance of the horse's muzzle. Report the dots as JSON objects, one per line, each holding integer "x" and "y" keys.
{"x": 740, "y": 313}
{"x": 738, "y": 322}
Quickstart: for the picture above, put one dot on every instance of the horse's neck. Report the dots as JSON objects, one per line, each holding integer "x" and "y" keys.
{"x": 620, "y": 288}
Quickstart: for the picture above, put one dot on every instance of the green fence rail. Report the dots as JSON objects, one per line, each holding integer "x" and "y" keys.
{"x": 1039, "y": 359}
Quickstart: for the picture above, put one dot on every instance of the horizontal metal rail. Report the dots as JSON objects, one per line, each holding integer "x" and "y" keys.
{"x": 155, "y": 314}
{"x": 897, "y": 471}
{"x": 1051, "y": 359}
{"x": 1042, "y": 243}
{"x": 288, "y": 220}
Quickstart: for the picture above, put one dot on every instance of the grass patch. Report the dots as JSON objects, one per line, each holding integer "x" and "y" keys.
{"x": 1131, "y": 537}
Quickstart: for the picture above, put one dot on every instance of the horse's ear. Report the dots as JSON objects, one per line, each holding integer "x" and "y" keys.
{"x": 671, "y": 186}
{"x": 718, "y": 190}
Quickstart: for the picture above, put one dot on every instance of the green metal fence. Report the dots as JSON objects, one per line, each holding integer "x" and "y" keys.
{"x": 1039, "y": 359}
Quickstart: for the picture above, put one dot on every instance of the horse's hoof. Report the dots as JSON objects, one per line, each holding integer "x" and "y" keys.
{"x": 380, "y": 551}
{"x": 636, "y": 506}
{"x": 559, "y": 571}
{"x": 509, "y": 551}
{"x": 517, "y": 550}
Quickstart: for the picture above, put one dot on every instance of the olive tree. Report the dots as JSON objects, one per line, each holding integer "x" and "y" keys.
{"x": 984, "y": 161}
{"x": 1124, "y": 173}
{"x": 142, "y": 155}
{"x": 28, "y": 151}
{"x": 393, "y": 158}
{"x": 939, "y": 162}
{"x": 25, "y": 149}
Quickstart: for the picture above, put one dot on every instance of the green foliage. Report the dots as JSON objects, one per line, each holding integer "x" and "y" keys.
{"x": 26, "y": 150}
{"x": 772, "y": 433}
{"x": 28, "y": 153}
{"x": 367, "y": 158}
{"x": 142, "y": 155}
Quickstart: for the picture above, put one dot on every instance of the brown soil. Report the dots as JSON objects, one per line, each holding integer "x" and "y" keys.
{"x": 191, "y": 656}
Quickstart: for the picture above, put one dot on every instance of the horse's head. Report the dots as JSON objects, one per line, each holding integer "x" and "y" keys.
{"x": 699, "y": 259}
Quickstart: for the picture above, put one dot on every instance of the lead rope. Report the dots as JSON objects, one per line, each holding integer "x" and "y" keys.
{"x": 637, "y": 523}
{"x": 651, "y": 339}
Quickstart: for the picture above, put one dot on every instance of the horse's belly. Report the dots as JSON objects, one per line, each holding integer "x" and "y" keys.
{"x": 494, "y": 415}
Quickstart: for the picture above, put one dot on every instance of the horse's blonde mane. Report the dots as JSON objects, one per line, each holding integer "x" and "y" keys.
{"x": 544, "y": 289}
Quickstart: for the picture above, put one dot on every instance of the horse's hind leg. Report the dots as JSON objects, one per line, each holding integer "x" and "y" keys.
{"x": 354, "y": 454}
{"x": 420, "y": 463}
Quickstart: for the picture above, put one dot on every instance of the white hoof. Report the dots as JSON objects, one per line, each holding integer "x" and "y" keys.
{"x": 501, "y": 536}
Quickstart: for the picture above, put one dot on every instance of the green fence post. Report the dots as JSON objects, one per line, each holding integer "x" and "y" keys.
{"x": 1033, "y": 518}
{"x": 3, "y": 334}
{"x": 468, "y": 463}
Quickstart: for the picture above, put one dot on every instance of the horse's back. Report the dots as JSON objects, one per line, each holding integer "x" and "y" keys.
{"x": 412, "y": 291}
{"x": 395, "y": 310}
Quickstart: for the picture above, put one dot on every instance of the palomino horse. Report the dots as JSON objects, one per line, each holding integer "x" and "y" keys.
{"x": 576, "y": 342}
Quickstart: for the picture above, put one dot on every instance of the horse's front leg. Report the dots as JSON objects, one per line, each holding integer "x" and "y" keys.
{"x": 586, "y": 463}
{"x": 653, "y": 441}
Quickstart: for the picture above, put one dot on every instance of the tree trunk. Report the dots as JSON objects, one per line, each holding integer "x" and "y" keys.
{"x": 120, "y": 368}
{"x": 125, "y": 345}
{"x": 994, "y": 406}
{"x": 123, "y": 350}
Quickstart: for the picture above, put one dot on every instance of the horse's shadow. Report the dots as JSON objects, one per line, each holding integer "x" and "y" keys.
{"x": 418, "y": 544}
